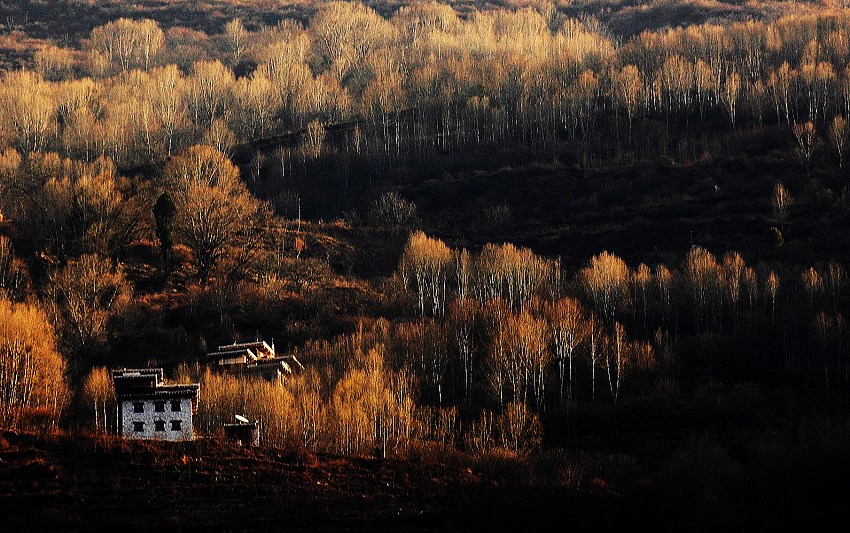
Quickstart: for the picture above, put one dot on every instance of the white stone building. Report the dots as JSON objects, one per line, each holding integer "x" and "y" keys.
{"x": 149, "y": 409}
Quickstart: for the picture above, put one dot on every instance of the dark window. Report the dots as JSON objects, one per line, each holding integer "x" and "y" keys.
{"x": 175, "y": 425}
{"x": 175, "y": 405}
{"x": 138, "y": 407}
{"x": 159, "y": 425}
{"x": 138, "y": 427}
{"x": 159, "y": 407}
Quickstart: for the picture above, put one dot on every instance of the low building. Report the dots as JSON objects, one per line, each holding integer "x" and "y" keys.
{"x": 243, "y": 433}
{"x": 149, "y": 409}
{"x": 257, "y": 358}
{"x": 234, "y": 354}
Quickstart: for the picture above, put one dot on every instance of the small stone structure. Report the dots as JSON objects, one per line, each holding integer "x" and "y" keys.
{"x": 149, "y": 409}
{"x": 243, "y": 433}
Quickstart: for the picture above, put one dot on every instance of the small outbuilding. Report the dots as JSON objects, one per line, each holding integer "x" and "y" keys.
{"x": 243, "y": 433}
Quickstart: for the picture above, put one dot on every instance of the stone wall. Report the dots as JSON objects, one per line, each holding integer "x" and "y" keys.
{"x": 149, "y": 418}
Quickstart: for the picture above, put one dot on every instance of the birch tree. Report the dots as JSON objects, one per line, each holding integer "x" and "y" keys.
{"x": 32, "y": 372}
{"x": 425, "y": 264}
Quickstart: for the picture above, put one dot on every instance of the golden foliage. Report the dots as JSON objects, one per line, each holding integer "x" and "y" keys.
{"x": 367, "y": 409}
{"x": 425, "y": 263}
{"x": 27, "y": 108}
{"x": 128, "y": 43}
{"x": 606, "y": 282}
{"x": 702, "y": 273}
{"x": 32, "y": 372}
{"x": 519, "y": 427}
{"x": 215, "y": 210}
{"x": 99, "y": 392}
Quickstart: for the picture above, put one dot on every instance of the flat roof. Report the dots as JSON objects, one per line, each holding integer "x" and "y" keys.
{"x": 164, "y": 391}
{"x": 236, "y": 346}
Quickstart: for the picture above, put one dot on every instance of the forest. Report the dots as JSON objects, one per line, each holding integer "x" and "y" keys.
{"x": 596, "y": 247}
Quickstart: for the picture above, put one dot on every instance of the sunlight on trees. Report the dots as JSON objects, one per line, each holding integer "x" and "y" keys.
{"x": 82, "y": 298}
{"x": 32, "y": 372}
{"x": 425, "y": 264}
{"x": 606, "y": 283}
{"x": 129, "y": 43}
{"x": 701, "y": 270}
{"x": 99, "y": 393}
{"x": 781, "y": 201}
{"x": 132, "y": 142}
{"x": 808, "y": 142}
{"x": 215, "y": 210}
{"x": 838, "y": 133}
{"x": 27, "y": 109}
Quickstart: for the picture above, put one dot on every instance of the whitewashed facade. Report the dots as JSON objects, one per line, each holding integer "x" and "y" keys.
{"x": 157, "y": 418}
{"x": 148, "y": 409}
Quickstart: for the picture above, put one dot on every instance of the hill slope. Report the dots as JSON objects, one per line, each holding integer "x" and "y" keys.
{"x": 83, "y": 483}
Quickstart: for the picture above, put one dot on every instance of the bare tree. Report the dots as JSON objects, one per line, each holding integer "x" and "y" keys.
{"x": 615, "y": 349}
{"x": 629, "y": 92}
{"x": 621, "y": 355}
{"x": 569, "y": 327}
{"x": 129, "y": 43}
{"x": 98, "y": 390}
{"x": 53, "y": 62}
{"x": 838, "y": 135}
{"x": 345, "y": 34}
{"x": 519, "y": 428}
{"x": 83, "y": 298}
{"x": 462, "y": 321}
{"x": 640, "y": 283}
{"x": 808, "y": 143}
{"x": 167, "y": 97}
{"x": 425, "y": 264}
{"x": 701, "y": 270}
{"x": 519, "y": 354}
{"x": 236, "y": 37}
{"x": 13, "y": 272}
{"x": 771, "y": 285}
{"x": 391, "y": 210}
{"x": 28, "y": 109}
{"x": 312, "y": 140}
{"x": 216, "y": 214}
{"x": 781, "y": 202}
{"x": 733, "y": 275}
{"x": 606, "y": 283}
{"x": 210, "y": 92}
{"x": 730, "y": 93}
{"x": 664, "y": 282}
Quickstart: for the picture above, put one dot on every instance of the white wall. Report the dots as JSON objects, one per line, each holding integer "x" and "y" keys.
{"x": 150, "y": 416}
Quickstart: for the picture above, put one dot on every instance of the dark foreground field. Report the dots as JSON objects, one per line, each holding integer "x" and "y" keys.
{"x": 81, "y": 483}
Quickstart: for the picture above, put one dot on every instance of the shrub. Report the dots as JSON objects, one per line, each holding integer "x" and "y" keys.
{"x": 392, "y": 211}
